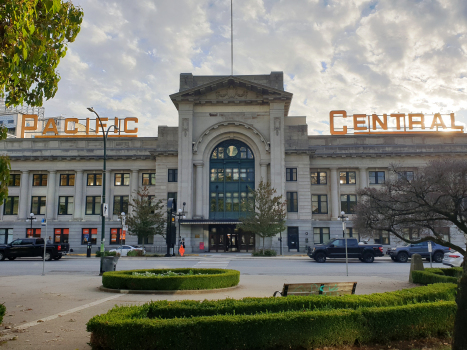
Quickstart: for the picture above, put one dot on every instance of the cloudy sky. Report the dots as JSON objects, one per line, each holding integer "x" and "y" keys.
{"x": 362, "y": 56}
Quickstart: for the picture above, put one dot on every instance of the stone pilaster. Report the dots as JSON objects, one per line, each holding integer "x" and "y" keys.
{"x": 277, "y": 147}
{"x": 199, "y": 189}
{"x": 363, "y": 178}
{"x": 108, "y": 183}
{"x": 134, "y": 181}
{"x": 24, "y": 195}
{"x": 334, "y": 194}
{"x": 185, "y": 156}
{"x": 51, "y": 184}
{"x": 78, "y": 212}
{"x": 264, "y": 171}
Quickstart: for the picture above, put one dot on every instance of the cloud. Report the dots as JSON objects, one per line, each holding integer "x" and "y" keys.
{"x": 362, "y": 56}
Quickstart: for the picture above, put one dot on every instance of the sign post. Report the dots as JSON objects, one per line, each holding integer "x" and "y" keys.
{"x": 430, "y": 250}
{"x": 44, "y": 223}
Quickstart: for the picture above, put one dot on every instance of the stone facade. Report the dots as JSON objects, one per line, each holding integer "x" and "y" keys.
{"x": 252, "y": 110}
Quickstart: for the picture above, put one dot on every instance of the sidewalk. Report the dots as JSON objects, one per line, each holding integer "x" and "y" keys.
{"x": 50, "y": 312}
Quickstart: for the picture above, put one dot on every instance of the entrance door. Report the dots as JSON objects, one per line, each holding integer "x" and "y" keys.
{"x": 292, "y": 238}
{"x": 217, "y": 239}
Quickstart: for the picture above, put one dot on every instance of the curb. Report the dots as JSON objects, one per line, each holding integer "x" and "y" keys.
{"x": 170, "y": 292}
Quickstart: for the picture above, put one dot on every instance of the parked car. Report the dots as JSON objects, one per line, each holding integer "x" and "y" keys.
{"x": 335, "y": 248}
{"x": 403, "y": 253}
{"x": 453, "y": 259}
{"x": 30, "y": 247}
{"x": 124, "y": 249}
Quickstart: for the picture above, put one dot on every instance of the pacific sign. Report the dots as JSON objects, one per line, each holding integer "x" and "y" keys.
{"x": 50, "y": 129}
{"x": 395, "y": 123}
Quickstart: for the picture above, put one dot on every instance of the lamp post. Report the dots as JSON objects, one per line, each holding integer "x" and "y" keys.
{"x": 344, "y": 219}
{"x": 103, "y": 204}
{"x": 181, "y": 215}
{"x": 31, "y": 218}
{"x": 123, "y": 220}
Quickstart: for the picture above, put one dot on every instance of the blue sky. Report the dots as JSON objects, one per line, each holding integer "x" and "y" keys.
{"x": 361, "y": 56}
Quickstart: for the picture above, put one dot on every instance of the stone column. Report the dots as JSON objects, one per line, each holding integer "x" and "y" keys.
{"x": 78, "y": 213}
{"x": 185, "y": 156}
{"x": 363, "y": 178}
{"x": 264, "y": 171}
{"x": 108, "y": 182}
{"x": 334, "y": 194}
{"x": 277, "y": 141}
{"x": 51, "y": 183}
{"x": 24, "y": 196}
{"x": 133, "y": 186}
{"x": 199, "y": 189}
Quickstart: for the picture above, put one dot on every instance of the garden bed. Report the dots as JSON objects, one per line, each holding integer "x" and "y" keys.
{"x": 437, "y": 275}
{"x": 171, "y": 279}
{"x": 271, "y": 323}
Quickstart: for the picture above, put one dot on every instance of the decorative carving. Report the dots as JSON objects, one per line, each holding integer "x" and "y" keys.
{"x": 231, "y": 92}
{"x": 185, "y": 125}
{"x": 277, "y": 125}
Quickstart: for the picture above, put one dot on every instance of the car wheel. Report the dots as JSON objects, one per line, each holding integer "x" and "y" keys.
{"x": 48, "y": 256}
{"x": 320, "y": 257}
{"x": 438, "y": 257}
{"x": 2, "y": 256}
{"x": 12, "y": 258}
{"x": 402, "y": 257}
{"x": 368, "y": 258}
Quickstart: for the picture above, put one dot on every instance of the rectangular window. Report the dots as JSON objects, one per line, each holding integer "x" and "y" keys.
{"x": 347, "y": 177}
{"x": 291, "y": 174}
{"x": 319, "y": 204}
{"x": 292, "y": 202}
{"x": 65, "y": 205}
{"x": 406, "y": 175}
{"x": 147, "y": 240}
{"x": 67, "y": 179}
{"x": 116, "y": 236}
{"x": 6, "y": 235}
{"x": 120, "y": 204}
{"x": 122, "y": 179}
{"x": 321, "y": 235}
{"x": 89, "y": 235}
{"x": 94, "y": 179}
{"x": 10, "y": 206}
{"x": 382, "y": 237}
{"x": 319, "y": 178}
{"x": 172, "y": 195}
{"x": 15, "y": 180}
{"x": 173, "y": 175}
{"x": 376, "y": 177}
{"x": 149, "y": 179}
{"x": 33, "y": 233}
{"x": 93, "y": 205}
{"x": 61, "y": 235}
{"x": 39, "y": 180}
{"x": 411, "y": 233}
{"x": 38, "y": 205}
{"x": 351, "y": 233}
{"x": 348, "y": 203}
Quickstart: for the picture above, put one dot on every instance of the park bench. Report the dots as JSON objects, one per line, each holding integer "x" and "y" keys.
{"x": 329, "y": 288}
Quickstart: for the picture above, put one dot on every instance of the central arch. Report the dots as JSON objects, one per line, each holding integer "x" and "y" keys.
{"x": 231, "y": 179}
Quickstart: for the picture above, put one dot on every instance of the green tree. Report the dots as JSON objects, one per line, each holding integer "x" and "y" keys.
{"x": 148, "y": 218}
{"x": 435, "y": 198}
{"x": 4, "y": 169}
{"x": 265, "y": 212}
{"x": 33, "y": 38}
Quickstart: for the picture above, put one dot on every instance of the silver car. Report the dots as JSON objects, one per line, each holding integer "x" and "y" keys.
{"x": 453, "y": 259}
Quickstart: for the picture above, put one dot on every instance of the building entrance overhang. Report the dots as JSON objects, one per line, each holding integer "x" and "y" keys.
{"x": 209, "y": 222}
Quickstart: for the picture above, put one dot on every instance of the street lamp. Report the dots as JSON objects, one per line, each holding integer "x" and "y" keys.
{"x": 103, "y": 205}
{"x": 181, "y": 215}
{"x": 123, "y": 220}
{"x": 31, "y": 218}
{"x": 344, "y": 219}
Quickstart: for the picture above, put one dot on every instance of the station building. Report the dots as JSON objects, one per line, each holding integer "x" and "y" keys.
{"x": 232, "y": 132}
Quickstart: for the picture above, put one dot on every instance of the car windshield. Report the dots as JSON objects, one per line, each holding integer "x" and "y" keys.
{"x": 330, "y": 241}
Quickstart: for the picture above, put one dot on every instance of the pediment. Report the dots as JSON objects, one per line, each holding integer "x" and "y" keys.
{"x": 232, "y": 89}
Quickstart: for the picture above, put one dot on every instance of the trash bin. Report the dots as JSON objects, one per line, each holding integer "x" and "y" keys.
{"x": 88, "y": 251}
{"x": 110, "y": 263}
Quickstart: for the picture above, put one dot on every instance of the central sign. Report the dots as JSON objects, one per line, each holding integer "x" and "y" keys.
{"x": 395, "y": 123}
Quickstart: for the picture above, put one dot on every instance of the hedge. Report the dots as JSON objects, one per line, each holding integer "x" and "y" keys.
{"x": 293, "y": 321}
{"x": 209, "y": 279}
{"x": 437, "y": 275}
{"x": 290, "y": 329}
{"x": 2, "y": 312}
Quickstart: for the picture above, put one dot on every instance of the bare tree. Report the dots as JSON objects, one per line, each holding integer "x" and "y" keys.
{"x": 148, "y": 216}
{"x": 264, "y": 212}
{"x": 433, "y": 198}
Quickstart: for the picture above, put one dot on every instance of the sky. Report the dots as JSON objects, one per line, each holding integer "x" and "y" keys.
{"x": 382, "y": 56}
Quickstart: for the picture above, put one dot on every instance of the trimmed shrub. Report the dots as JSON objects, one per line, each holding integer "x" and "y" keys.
{"x": 264, "y": 252}
{"x": 135, "y": 253}
{"x": 106, "y": 253}
{"x": 2, "y": 312}
{"x": 292, "y": 329}
{"x": 437, "y": 275}
{"x": 209, "y": 279}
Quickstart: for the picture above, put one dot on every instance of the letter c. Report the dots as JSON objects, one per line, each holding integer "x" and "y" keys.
{"x": 332, "y": 114}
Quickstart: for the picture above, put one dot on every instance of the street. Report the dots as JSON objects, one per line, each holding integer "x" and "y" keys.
{"x": 51, "y": 311}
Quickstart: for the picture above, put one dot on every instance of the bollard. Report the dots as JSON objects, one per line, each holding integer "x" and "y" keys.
{"x": 416, "y": 264}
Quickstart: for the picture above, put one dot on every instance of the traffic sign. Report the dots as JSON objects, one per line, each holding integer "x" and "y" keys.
{"x": 43, "y": 222}
{"x": 430, "y": 249}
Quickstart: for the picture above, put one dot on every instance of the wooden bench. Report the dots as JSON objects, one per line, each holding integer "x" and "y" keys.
{"x": 329, "y": 288}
